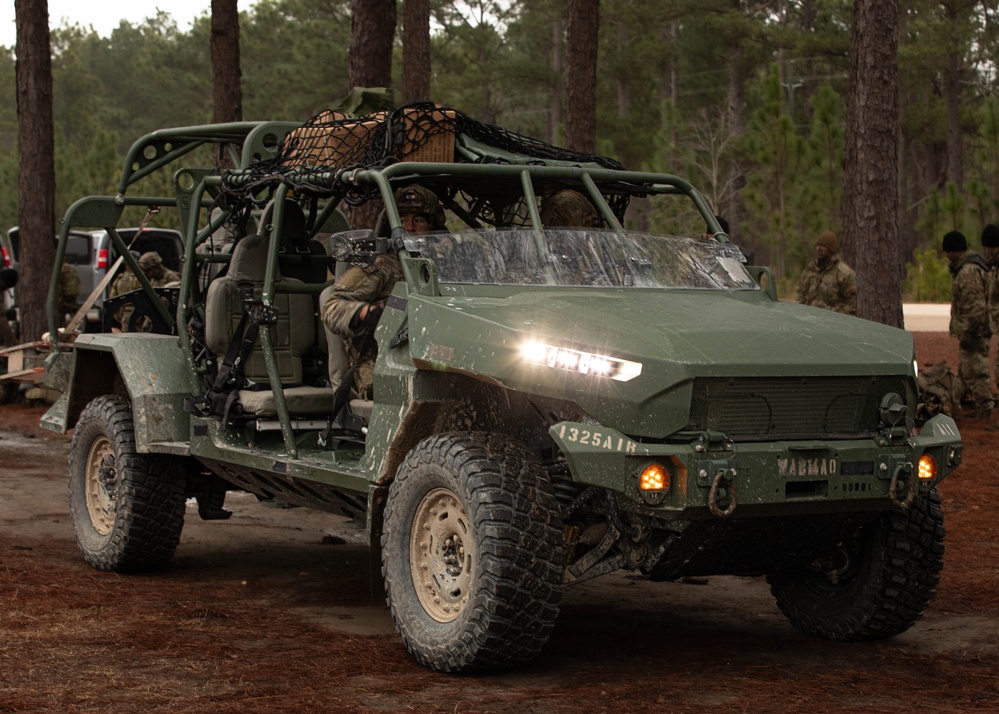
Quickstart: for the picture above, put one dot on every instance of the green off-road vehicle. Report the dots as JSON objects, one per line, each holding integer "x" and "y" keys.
{"x": 550, "y": 404}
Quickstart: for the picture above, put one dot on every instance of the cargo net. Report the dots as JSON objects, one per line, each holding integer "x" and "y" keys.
{"x": 331, "y": 141}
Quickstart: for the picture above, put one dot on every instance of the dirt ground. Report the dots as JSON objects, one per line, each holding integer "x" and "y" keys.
{"x": 273, "y": 611}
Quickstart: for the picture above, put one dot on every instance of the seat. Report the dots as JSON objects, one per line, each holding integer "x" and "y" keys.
{"x": 292, "y": 335}
{"x": 299, "y": 256}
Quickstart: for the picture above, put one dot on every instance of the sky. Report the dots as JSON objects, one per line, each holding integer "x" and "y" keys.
{"x": 104, "y": 15}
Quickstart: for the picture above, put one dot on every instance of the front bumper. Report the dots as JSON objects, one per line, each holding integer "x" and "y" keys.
{"x": 718, "y": 478}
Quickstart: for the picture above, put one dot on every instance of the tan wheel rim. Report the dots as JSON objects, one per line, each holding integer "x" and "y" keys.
{"x": 101, "y": 484}
{"x": 441, "y": 554}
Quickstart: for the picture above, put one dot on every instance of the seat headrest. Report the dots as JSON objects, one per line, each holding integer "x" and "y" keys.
{"x": 293, "y": 228}
{"x": 249, "y": 260}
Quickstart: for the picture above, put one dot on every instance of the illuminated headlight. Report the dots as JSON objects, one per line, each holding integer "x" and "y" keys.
{"x": 915, "y": 368}
{"x": 580, "y": 362}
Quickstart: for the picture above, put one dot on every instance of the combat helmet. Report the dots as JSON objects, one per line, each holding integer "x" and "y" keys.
{"x": 149, "y": 260}
{"x": 569, "y": 209}
{"x": 419, "y": 199}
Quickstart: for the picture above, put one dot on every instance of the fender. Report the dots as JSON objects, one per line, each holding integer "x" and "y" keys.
{"x": 149, "y": 369}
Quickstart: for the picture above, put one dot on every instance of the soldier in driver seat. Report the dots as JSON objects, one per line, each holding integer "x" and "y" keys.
{"x": 351, "y": 312}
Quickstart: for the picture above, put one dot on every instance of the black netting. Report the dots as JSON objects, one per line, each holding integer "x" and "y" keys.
{"x": 330, "y": 142}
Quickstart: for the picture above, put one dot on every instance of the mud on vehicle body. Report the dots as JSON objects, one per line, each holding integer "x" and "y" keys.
{"x": 550, "y": 404}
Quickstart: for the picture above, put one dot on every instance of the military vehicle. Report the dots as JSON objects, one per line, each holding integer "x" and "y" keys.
{"x": 551, "y": 403}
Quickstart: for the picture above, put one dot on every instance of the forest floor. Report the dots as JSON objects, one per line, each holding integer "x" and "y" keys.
{"x": 274, "y": 611}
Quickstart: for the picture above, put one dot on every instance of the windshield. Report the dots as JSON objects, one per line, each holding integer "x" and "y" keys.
{"x": 582, "y": 258}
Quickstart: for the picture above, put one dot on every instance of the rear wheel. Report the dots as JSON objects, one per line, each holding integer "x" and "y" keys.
{"x": 127, "y": 508}
{"x": 874, "y": 585}
{"x": 472, "y": 553}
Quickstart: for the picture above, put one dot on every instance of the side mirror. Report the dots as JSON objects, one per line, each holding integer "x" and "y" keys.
{"x": 357, "y": 246}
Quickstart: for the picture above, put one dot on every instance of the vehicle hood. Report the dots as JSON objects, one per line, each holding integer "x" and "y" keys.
{"x": 677, "y": 336}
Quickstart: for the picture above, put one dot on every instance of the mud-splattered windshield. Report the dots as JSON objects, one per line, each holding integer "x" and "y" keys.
{"x": 582, "y": 258}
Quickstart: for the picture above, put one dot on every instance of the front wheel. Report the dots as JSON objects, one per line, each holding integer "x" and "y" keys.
{"x": 127, "y": 508}
{"x": 472, "y": 553}
{"x": 874, "y": 585}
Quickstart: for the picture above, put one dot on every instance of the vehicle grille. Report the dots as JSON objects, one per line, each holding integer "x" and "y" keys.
{"x": 790, "y": 407}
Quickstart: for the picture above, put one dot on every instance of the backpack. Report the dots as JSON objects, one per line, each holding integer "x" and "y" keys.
{"x": 940, "y": 391}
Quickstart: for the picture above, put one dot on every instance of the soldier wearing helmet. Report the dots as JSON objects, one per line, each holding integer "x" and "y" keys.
{"x": 152, "y": 265}
{"x": 158, "y": 275}
{"x": 568, "y": 209}
{"x": 358, "y": 297}
{"x": 419, "y": 209}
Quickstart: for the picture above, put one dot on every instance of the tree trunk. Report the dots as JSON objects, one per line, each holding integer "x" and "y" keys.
{"x": 227, "y": 92}
{"x": 669, "y": 89}
{"x": 581, "y": 75}
{"x": 372, "y": 31}
{"x": 558, "y": 71}
{"x": 415, "y": 51}
{"x": 36, "y": 167}
{"x": 955, "y": 137}
{"x": 870, "y": 208}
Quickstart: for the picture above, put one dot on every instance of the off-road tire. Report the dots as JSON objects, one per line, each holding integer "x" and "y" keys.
{"x": 486, "y": 512}
{"x": 893, "y": 570}
{"x": 127, "y": 508}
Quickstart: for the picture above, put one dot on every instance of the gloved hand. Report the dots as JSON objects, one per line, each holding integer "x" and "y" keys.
{"x": 374, "y": 313}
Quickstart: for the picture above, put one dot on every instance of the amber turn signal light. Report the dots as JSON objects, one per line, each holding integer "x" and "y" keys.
{"x": 654, "y": 477}
{"x": 927, "y": 467}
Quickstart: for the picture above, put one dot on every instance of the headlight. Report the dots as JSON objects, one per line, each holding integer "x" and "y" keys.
{"x": 580, "y": 362}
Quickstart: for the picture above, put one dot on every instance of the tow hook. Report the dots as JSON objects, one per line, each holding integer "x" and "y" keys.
{"x": 908, "y": 474}
{"x": 723, "y": 480}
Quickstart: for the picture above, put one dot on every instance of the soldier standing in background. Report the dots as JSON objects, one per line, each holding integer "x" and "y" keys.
{"x": 969, "y": 320}
{"x": 159, "y": 276}
{"x": 69, "y": 290}
{"x": 8, "y": 279}
{"x": 990, "y": 246}
{"x": 828, "y": 282}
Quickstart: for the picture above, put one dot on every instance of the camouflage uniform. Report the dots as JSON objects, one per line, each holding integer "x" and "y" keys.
{"x": 569, "y": 209}
{"x": 69, "y": 289}
{"x": 831, "y": 285}
{"x": 992, "y": 299}
{"x": 157, "y": 275}
{"x": 990, "y": 246}
{"x": 125, "y": 283}
{"x": 969, "y": 323}
{"x": 360, "y": 285}
{"x": 8, "y": 279}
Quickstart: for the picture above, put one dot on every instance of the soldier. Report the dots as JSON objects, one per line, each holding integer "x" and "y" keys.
{"x": 360, "y": 294}
{"x": 568, "y": 209}
{"x": 69, "y": 290}
{"x": 156, "y": 273}
{"x": 969, "y": 320}
{"x": 990, "y": 245}
{"x": 8, "y": 279}
{"x": 828, "y": 282}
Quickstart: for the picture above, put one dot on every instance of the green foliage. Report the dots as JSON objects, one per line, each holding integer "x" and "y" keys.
{"x": 825, "y": 144}
{"x": 927, "y": 277}
{"x": 747, "y": 101}
{"x": 943, "y": 211}
{"x": 776, "y": 196}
